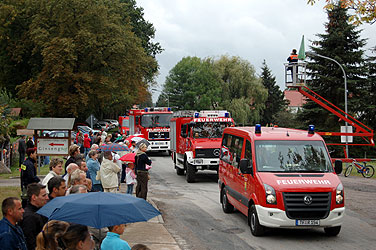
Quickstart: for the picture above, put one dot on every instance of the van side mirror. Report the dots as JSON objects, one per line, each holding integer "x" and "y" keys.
{"x": 245, "y": 166}
{"x": 338, "y": 166}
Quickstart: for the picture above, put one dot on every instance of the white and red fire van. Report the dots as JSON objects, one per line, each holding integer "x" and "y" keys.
{"x": 196, "y": 140}
{"x": 153, "y": 124}
{"x": 280, "y": 178}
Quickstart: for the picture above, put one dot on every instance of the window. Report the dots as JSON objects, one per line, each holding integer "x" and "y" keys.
{"x": 225, "y": 153}
{"x": 236, "y": 150}
{"x": 231, "y": 149}
{"x": 248, "y": 152}
{"x": 292, "y": 156}
{"x": 183, "y": 131}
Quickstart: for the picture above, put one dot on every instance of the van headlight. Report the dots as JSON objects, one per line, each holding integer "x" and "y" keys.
{"x": 270, "y": 195}
{"x": 339, "y": 194}
{"x": 199, "y": 161}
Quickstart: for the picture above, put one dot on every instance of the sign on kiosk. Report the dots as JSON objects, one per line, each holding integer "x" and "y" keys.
{"x": 52, "y": 146}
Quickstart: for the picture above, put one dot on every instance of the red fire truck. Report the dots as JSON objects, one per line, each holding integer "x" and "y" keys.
{"x": 124, "y": 125}
{"x": 196, "y": 140}
{"x": 153, "y": 124}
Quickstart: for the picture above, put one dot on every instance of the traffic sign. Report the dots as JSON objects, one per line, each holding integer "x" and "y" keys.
{"x": 91, "y": 120}
{"x": 53, "y": 146}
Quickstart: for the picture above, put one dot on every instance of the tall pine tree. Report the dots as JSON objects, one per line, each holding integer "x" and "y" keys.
{"x": 341, "y": 42}
{"x": 275, "y": 102}
{"x": 368, "y": 116}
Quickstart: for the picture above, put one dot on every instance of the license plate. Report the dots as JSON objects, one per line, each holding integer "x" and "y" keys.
{"x": 307, "y": 222}
{"x": 158, "y": 143}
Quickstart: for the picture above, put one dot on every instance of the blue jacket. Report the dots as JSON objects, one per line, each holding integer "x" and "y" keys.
{"x": 11, "y": 237}
{"x": 93, "y": 167}
{"x": 28, "y": 173}
{"x": 113, "y": 242}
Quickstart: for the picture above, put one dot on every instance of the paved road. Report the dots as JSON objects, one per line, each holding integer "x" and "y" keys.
{"x": 194, "y": 217}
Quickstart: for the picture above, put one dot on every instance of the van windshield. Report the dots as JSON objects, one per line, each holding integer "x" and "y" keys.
{"x": 155, "y": 120}
{"x": 125, "y": 123}
{"x": 209, "y": 129}
{"x": 292, "y": 156}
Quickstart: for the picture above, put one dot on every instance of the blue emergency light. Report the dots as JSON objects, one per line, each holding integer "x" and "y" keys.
{"x": 146, "y": 109}
{"x": 168, "y": 109}
{"x": 258, "y": 129}
{"x": 197, "y": 115}
{"x": 227, "y": 115}
{"x": 311, "y": 129}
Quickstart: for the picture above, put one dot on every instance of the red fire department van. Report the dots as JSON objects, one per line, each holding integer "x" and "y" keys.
{"x": 280, "y": 178}
{"x": 196, "y": 139}
{"x": 153, "y": 124}
{"x": 124, "y": 125}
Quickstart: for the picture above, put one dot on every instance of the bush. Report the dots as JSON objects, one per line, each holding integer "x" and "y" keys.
{"x": 17, "y": 124}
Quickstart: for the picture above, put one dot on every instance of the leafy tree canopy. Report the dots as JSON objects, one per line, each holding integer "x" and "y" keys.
{"x": 225, "y": 83}
{"x": 364, "y": 10}
{"x": 80, "y": 56}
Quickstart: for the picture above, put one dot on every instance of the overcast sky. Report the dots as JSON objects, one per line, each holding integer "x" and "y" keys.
{"x": 251, "y": 29}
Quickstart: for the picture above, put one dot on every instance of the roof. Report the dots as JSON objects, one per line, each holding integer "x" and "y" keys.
{"x": 296, "y": 99}
{"x": 25, "y": 132}
{"x": 15, "y": 111}
{"x": 276, "y": 133}
{"x": 51, "y": 123}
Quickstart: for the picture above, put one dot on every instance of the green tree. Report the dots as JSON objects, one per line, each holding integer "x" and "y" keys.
{"x": 364, "y": 10}
{"x": 341, "y": 42}
{"x": 242, "y": 92}
{"x": 368, "y": 116}
{"x": 145, "y": 31}
{"x": 82, "y": 56}
{"x": 18, "y": 63}
{"x": 275, "y": 102}
{"x": 193, "y": 84}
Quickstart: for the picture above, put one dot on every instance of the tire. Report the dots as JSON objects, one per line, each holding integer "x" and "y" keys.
{"x": 179, "y": 171}
{"x": 190, "y": 173}
{"x": 227, "y": 207}
{"x": 332, "y": 231}
{"x": 348, "y": 171}
{"x": 368, "y": 172}
{"x": 254, "y": 224}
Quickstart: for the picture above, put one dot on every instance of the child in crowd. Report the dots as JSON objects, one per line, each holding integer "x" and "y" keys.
{"x": 130, "y": 178}
{"x": 113, "y": 241}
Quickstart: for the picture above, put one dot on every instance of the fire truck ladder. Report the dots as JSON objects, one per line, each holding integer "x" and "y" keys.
{"x": 361, "y": 130}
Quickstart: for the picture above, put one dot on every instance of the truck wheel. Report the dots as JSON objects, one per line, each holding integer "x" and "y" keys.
{"x": 332, "y": 231}
{"x": 254, "y": 224}
{"x": 179, "y": 171}
{"x": 227, "y": 207}
{"x": 190, "y": 173}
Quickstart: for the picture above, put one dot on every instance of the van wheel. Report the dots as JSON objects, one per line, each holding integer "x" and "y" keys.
{"x": 179, "y": 171}
{"x": 254, "y": 224}
{"x": 190, "y": 173}
{"x": 332, "y": 231}
{"x": 226, "y": 206}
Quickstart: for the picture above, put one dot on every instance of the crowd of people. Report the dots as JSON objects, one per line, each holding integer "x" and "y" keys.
{"x": 86, "y": 170}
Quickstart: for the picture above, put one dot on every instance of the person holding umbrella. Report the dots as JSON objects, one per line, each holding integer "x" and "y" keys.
{"x": 141, "y": 160}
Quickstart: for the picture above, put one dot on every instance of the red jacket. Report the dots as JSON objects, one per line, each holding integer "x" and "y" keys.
{"x": 87, "y": 141}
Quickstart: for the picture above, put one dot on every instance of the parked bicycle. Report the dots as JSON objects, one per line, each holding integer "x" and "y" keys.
{"x": 366, "y": 170}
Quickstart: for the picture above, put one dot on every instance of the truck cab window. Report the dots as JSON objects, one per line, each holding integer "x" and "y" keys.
{"x": 248, "y": 152}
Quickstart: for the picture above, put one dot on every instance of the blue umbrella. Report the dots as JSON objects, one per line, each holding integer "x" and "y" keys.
{"x": 99, "y": 209}
{"x": 113, "y": 147}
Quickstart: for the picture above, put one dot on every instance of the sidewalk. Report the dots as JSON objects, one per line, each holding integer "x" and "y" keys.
{"x": 152, "y": 233}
